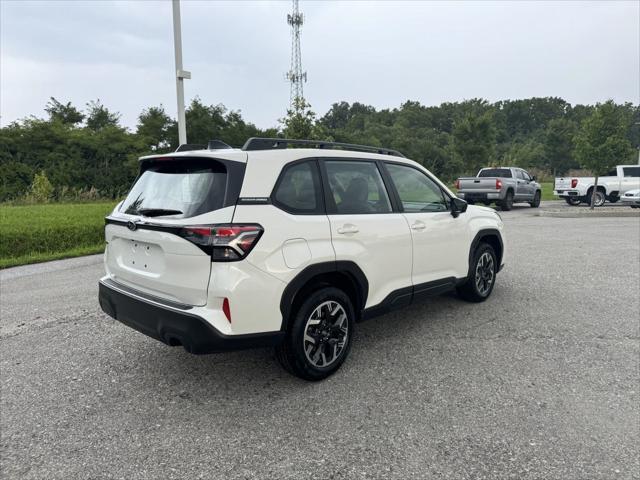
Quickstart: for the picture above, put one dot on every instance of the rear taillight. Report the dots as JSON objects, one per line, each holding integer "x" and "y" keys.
{"x": 574, "y": 182}
{"x": 224, "y": 242}
{"x": 457, "y": 184}
{"x": 498, "y": 184}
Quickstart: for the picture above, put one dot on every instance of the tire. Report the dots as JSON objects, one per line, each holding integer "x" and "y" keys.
{"x": 599, "y": 200}
{"x": 318, "y": 341}
{"x": 480, "y": 282}
{"x": 572, "y": 201}
{"x": 507, "y": 203}
{"x": 536, "y": 200}
{"x": 613, "y": 199}
{"x": 487, "y": 203}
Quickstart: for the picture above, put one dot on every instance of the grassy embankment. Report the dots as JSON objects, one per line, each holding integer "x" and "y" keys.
{"x": 38, "y": 233}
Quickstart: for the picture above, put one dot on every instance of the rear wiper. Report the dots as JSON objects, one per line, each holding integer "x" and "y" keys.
{"x": 157, "y": 212}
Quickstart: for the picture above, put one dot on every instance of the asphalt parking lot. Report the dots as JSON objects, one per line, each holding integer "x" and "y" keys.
{"x": 541, "y": 381}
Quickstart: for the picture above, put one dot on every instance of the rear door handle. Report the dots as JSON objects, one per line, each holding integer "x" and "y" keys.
{"x": 418, "y": 226}
{"x": 348, "y": 228}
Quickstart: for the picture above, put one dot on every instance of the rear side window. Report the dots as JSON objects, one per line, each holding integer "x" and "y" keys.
{"x": 631, "y": 171}
{"x": 357, "y": 187}
{"x": 298, "y": 190}
{"x": 495, "y": 172}
{"x": 178, "y": 189}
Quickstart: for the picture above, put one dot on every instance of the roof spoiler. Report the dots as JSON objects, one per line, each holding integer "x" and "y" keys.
{"x": 212, "y": 145}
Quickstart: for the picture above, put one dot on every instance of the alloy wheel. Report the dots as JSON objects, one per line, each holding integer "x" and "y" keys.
{"x": 485, "y": 274}
{"x": 325, "y": 334}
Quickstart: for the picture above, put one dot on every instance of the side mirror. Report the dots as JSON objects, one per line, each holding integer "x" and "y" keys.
{"x": 458, "y": 206}
{"x": 533, "y": 178}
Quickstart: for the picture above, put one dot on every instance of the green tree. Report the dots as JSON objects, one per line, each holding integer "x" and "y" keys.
{"x": 602, "y": 142}
{"x": 41, "y": 190}
{"x": 63, "y": 112}
{"x": 153, "y": 128}
{"x": 300, "y": 122}
{"x": 474, "y": 141}
{"x": 99, "y": 117}
{"x": 558, "y": 144}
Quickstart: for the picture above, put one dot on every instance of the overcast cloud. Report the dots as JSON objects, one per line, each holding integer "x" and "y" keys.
{"x": 378, "y": 53}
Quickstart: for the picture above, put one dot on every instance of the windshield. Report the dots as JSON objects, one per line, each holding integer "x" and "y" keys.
{"x": 177, "y": 189}
{"x": 495, "y": 172}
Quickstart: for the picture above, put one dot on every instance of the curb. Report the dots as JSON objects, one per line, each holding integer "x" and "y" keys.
{"x": 590, "y": 214}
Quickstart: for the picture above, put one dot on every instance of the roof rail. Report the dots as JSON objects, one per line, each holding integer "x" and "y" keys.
{"x": 258, "y": 143}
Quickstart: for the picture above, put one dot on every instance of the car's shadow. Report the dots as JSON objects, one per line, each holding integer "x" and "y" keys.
{"x": 242, "y": 373}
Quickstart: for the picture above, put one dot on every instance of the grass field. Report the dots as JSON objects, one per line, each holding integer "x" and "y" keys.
{"x": 547, "y": 191}
{"x": 37, "y": 233}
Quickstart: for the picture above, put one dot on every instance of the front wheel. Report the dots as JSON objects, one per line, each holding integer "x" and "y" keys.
{"x": 574, "y": 202}
{"x": 319, "y": 336}
{"x": 482, "y": 275}
{"x": 536, "y": 200}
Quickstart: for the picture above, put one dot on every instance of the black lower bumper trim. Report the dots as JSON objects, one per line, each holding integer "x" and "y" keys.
{"x": 177, "y": 327}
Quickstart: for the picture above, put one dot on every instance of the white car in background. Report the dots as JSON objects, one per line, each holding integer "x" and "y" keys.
{"x": 631, "y": 198}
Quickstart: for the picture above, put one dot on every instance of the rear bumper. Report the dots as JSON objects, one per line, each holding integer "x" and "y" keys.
{"x": 479, "y": 196}
{"x": 175, "y": 325}
{"x": 567, "y": 193}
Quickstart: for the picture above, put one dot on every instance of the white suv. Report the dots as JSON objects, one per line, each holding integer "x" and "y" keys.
{"x": 223, "y": 249}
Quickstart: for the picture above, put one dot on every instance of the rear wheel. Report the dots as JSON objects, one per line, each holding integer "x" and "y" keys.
{"x": 536, "y": 200}
{"x": 319, "y": 336}
{"x": 482, "y": 276}
{"x": 572, "y": 201}
{"x": 507, "y": 203}
{"x": 599, "y": 199}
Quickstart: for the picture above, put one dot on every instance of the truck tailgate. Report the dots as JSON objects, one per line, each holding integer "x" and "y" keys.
{"x": 477, "y": 183}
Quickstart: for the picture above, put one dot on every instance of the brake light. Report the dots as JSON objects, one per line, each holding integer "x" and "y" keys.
{"x": 224, "y": 242}
{"x": 498, "y": 184}
{"x": 457, "y": 184}
{"x": 574, "y": 182}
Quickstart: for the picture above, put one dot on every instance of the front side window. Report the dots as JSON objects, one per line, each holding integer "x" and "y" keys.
{"x": 631, "y": 171}
{"x": 178, "y": 189}
{"x": 298, "y": 191}
{"x": 357, "y": 187}
{"x": 418, "y": 193}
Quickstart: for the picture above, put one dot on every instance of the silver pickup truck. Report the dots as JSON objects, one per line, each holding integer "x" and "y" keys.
{"x": 503, "y": 186}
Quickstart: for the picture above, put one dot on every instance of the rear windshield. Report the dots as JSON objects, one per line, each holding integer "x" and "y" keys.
{"x": 495, "y": 172}
{"x": 178, "y": 189}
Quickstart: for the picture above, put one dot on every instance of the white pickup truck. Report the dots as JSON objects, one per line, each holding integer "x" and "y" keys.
{"x": 610, "y": 186}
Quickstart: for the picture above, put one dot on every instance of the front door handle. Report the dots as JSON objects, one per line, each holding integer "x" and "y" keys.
{"x": 418, "y": 226}
{"x": 348, "y": 228}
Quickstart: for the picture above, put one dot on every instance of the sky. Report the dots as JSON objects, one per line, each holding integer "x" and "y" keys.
{"x": 374, "y": 52}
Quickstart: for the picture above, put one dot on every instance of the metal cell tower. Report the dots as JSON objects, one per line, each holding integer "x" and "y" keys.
{"x": 295, "y": 75}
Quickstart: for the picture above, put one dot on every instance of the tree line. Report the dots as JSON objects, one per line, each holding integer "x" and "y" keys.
{"x": 78, "y": 153}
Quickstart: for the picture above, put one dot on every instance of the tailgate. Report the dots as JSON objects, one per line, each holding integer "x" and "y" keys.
{"x": 476, "y": 183}
{"x": 147, "y": 248}
{"x": 562, "y": 183}
{"x": 159, "y": 263}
